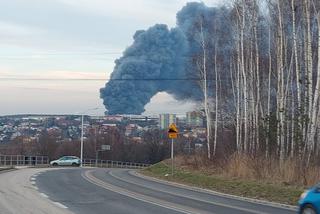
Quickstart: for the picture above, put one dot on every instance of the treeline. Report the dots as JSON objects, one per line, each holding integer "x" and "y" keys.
{"x": 259, "y": 65}
{"x": 154, "y": 147}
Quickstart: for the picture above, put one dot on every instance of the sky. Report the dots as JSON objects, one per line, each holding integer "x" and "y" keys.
{"x": 55, "y": 55}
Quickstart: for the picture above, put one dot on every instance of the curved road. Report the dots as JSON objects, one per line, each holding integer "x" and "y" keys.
{"x": 112, "y": 191}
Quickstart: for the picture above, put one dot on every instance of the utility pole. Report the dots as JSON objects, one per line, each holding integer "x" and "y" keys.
{"x": 81, "y": 147}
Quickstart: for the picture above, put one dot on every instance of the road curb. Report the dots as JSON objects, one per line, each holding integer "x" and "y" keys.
{"x": 4, "y": 170}
{"x": 202, "y": 190}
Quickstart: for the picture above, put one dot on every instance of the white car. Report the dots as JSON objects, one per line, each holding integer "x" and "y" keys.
{"x": 66, "y": 161}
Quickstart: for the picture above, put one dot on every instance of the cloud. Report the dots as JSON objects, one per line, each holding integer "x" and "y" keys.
{"x": 4, "y": 72}
{"x": 8, "y": 28}
{"x": 146, "y": 11}
{"x": 14, "y": 33}
{"x": 149, "y": 12}
{"x": 62, "y": 74}
{"x": 163, "y": 102}
{"x": 72, "y": 75}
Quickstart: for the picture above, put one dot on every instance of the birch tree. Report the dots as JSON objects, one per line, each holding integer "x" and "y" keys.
{"x": 203, "y": 71}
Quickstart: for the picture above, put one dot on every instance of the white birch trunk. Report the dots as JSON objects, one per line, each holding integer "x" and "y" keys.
{"x": 244, "y": 76}
{"x": 269, "y": 96}
{"x": 216, "y": 103}
{"x": 298, "y": 75}
{"x": 280, "y": 97}
{"x": 313, "y": 125}
{"x": 257, "y": 81}
{"x": 309, "y": 67}
{"x": 205, "y": 91}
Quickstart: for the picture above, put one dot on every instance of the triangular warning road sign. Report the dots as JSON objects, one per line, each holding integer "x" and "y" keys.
{"x": 172, "y": 128}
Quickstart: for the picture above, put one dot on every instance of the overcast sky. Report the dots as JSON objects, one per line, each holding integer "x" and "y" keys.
{"x": 45, "y": 42}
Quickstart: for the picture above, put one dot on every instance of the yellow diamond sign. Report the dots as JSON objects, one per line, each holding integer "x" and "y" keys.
{"x": 173, "y": 131}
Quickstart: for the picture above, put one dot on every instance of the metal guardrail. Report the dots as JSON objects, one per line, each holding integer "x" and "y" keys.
{"x": 22, "y": 160}
{"x": 113, "y": 164}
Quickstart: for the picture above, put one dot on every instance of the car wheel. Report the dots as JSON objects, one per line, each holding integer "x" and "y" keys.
{"x": 54, "y": 164}
{"x": 75, "y": 164}
{"x": 308, "y": 209}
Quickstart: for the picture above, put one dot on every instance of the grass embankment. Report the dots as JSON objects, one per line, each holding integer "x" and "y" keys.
{"x": 252, "y": 189}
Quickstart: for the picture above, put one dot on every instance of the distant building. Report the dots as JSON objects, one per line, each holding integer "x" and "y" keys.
{"x": 132, "y": 129}
{"x": 115, "y": 118}
{"x": 194, "y": 119}
{"x": 166, "y": 119}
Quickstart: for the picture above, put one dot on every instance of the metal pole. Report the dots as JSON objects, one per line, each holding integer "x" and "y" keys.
{"x": 81, "y": 152}
{"x": 172, "y": 157}
{"x": 97, "y": 155}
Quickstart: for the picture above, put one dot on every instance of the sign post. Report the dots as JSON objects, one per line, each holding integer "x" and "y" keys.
{"x": 103, "y": 148}
{"x": 172, "y": 160}
{"x": 173, "y": 134}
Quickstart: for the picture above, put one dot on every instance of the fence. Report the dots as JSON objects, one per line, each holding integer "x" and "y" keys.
{"x": 113, "y": 164}
{"x": 22, "y": 160}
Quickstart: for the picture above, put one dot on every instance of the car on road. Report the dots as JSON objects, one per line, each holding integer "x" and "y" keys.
{"x": 309, "y": 202}
{"x": 66, "y": 161}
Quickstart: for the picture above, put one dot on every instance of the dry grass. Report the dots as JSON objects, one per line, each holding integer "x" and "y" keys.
{"x": 241, "y": 187}
{"x": 289, "y": 173}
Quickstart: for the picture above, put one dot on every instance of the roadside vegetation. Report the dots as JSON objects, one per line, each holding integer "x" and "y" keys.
{"x": 240, "y": 179}
{"x": 261, "y": 107}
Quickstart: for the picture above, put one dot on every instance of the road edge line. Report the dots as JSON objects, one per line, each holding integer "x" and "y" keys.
{"x": 219, "y": 204}
{"x": 208, "y": 191}
{"x": 87, "y": 175}
{"x": 58, "y": 204}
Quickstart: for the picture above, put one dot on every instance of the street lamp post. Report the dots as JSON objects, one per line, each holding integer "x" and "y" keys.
{"x": 81, "y": 146}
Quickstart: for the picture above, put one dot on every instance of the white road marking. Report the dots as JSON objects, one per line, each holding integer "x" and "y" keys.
{"x": 215, "y": 193}
{"x": 147, "y": 199}
{"x": 60, "y": 205}
{"x": 44, "y": 195}
{"x": 33, "y": 182}
{"x": 32, "y": 179}
{"x": 196, "y": 199}
{"x": 26, "y": 198}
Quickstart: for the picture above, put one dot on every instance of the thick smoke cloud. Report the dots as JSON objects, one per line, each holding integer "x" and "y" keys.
{"x": 158, "y": 60}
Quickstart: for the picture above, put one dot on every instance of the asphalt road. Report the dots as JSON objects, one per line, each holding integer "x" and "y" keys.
{"x": 19, "y": 194}
{"x": 120, "y": 191}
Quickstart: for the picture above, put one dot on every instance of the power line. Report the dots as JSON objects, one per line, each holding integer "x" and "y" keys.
{"x": 38, "y": 56}
{"x": 104, "y": 79}
{"x": 60, "y": 53}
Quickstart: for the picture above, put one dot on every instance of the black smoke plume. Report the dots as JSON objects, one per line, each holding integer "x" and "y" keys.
{"x": 159, "y": 60}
